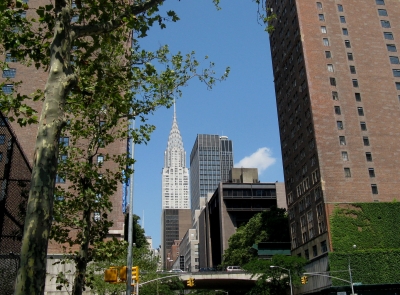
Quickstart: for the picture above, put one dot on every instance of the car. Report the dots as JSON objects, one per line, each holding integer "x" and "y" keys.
{"x": 177, "y": 270}
{"x": 233, "y": 268}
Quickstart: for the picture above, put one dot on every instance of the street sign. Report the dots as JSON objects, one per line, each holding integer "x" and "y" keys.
{"x": 357, "y": 284}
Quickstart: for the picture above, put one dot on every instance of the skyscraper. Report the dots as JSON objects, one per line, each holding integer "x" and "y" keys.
{"x": 175, "y": 220}
{"x": 211, "y": 160}
{"x": 175, "y": 175}
{"x": 337, "y": 82}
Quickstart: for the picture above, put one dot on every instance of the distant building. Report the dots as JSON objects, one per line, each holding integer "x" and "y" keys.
{"x": 175, "y": 223}
{"x": 211, "y": 159}
{"x": 175, "y": 175}
{"x": 189, "y": 252}
{"x": 231, "y": 206}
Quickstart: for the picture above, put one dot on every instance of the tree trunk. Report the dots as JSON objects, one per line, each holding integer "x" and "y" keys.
{"x": 82, "y": 258}
{"x": 32, "y": 271}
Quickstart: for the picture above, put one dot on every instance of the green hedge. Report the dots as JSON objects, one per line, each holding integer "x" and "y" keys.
{"x": 375, "y": 229}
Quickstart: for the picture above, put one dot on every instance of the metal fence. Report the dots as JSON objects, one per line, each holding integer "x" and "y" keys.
{"x": 15, "y": 175}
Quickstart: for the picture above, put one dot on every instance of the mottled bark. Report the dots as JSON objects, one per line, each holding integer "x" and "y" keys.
{"x": 32, "y": 272}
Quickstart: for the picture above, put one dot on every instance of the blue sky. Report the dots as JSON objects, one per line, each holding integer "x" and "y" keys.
{"x": 243, "y": 107}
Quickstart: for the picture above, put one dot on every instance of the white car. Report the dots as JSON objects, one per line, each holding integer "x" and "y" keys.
{"x": 176, "y": 270}
{"x": 233, "y": 268}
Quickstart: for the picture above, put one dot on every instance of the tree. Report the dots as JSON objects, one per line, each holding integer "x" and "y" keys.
{"x": 267, "y": 226}
{"x": 68, "y": 41}
{"x": 275, "y": 280}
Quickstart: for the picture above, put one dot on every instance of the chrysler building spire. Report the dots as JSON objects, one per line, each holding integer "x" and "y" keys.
{"x": 175, "y": 175}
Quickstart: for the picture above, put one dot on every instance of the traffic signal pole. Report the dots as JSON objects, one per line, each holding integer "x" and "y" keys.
{"x": 129, "y": 261}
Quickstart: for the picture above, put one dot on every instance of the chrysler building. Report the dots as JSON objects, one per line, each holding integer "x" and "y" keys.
{"x": 175, "y": 175}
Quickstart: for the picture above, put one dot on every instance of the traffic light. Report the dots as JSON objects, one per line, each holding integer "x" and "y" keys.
{"x": 135, "y": 273}
{"x": 123, "y": 276}
{"x": 190, "y": 282}
{"x": 304, "y": 280}
{"x": 111, "y": 275}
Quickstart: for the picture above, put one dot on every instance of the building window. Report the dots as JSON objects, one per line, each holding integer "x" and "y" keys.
{"x": 398, "y": 85}
{"x": 352, "y": 69}
{"x": 7, "y": 88}
{"x": 347, "y": 172}
{"x": 366, "y": 140}
{"x": 342, "y": 19}
{"x": 326, "y": 41}
{"x": 337, "y": 110}
{"x": 363, "y": 126}
{"x": 324, "y": 247}
{"x": 323, "y": 30}
{"x": 315, "y": 251}
{"x": 345, "y": 31}
{"x": 371, "y": 172}
{"x": 342, "y": 140}
{"x": 360, "y": 111}
{"x": 388, "y": 36}
{"x": 394, "y": 60}
{"x": 64, "y": 141}
{"x": 321, "y": 17}
{"x": 96, "y": 216}
{"x": 391, "y": 47}
{"x": 330, "y": 68}
{"x": 10, "y": 58}
{"x": 307, "y": 254}
{"x": 319, "y": 5}
{"x": 345, "y": 156}
{"x": 385, "y": 24}
{"x": 335, "y": 95}
{"x": 380, "y": 2}
{"x": 332, "y": 81}
{"x": 328, "y": 54}
{"x": 396, "y": 73}
{"x": 349, "y": 56}
{"x": 339, "y": 125}
{"x": 347, "y": 43}
{"x": 2, "y": 139}
{"x": 100, "y": 159}
{"x": 357, "y": 96}
{"x": 59, "y": 179}
{"x": 368, "y": 157}
{"x": 382, "y": 12}
{"x": 1, "y": 156}
{"x": 355, "y": 82}
{"x": 374, "y": 189}
{"x": 340, "y": 7}
{"x": 9, "y": 73}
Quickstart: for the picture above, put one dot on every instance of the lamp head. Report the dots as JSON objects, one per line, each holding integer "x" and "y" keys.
{"x": 272, "y": 266}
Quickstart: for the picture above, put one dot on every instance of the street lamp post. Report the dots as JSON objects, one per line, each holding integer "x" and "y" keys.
{"x": 351, "y": 277}
{"x": 290, "y": 277}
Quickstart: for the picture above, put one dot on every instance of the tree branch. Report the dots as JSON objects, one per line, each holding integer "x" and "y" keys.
{"x": 91, "y": 30}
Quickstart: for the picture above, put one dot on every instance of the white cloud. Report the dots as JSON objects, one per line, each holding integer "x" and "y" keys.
{"x": 261, "y": 159}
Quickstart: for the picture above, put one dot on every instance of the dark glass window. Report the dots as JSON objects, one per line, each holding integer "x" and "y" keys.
{"x": 59, "y": 179}
{"x": 349, "y": 56}
{"x": 363, "y": 126}
{"x": 337, "y": 110}
{"x": 345, "y": 31}
{"x": 355, "y": 82}
{"x": 347, "y": 43}
{"x": 380, "y": 2}
{"x": 339, "y": 125}
{"x": 368, "y": 156}
{"x": 342, "y": 140}
{"x": 385, "y": 24}
{"x": 398, "y": 85}
{"x": 332, "y": 81}
{"x": 391, "y": 47}
{"x": 352, "y": 69}
{"x": 357, "y": 96}
{"x": 374, "y": 189}
{"x": 360, "y": 111}
{"x": 335, "y": 95}
{"x": 2, "y": 139}
{"x": 64, "y": 141}
{"x": 314, "y": 250}
{"x": 7, "y": 88}
{"x": 342, "y": 19}
{"x": 10, "y": 58}
{"x": 366, "y": 140}
{"x": 328, "y": 54}
{"x": 396, "y": 73}
{"x": 388, "y": 36}
{"x": 394, "y": 60}
{"x": 382, "y": 12}
{"x": 9, "y": 73}
{"x": 371, "y": 172}
{"x": 340, "y": 7}
{"x": 321, "y": 17}
{"x": 347, "y": 172}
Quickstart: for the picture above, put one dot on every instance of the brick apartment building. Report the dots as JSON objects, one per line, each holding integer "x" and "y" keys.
{"x": 36, "y": 78}
{"x": 337, "y": 81}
